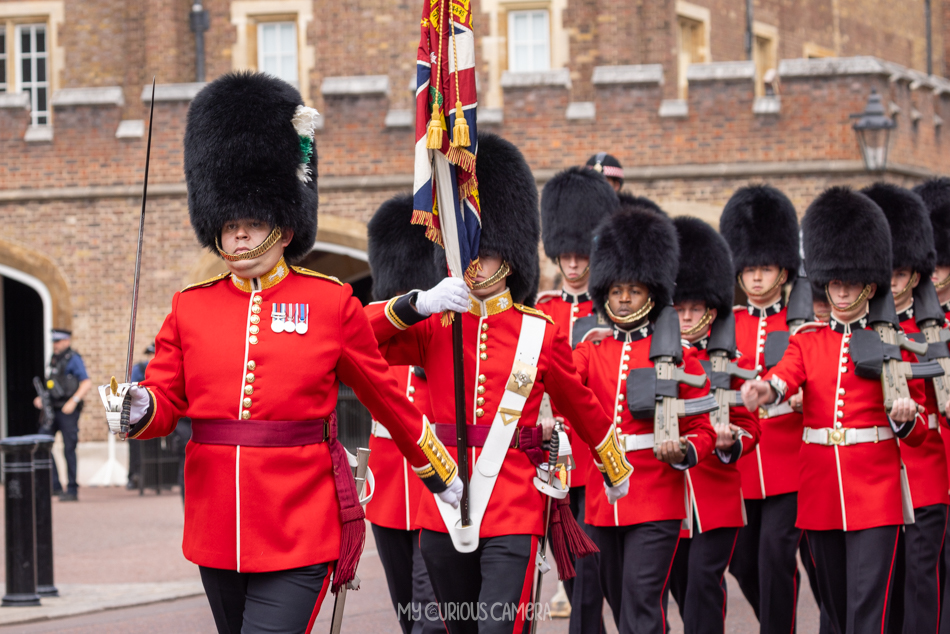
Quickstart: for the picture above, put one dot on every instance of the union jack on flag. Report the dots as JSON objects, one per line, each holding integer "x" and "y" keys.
{"x": 445, "y": 190}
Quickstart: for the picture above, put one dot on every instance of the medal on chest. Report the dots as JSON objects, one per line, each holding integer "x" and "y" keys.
{"x": 290, "y": 318}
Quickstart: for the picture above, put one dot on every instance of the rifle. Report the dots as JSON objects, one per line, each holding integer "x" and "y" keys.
{"x": 930, "y": 319}
{"x": 653, "y": 392}
{"x": 46, "y": 413}
{"x": 799, "y": 310}
{"x": 336, "y": 622}
{"x": 721, "y": 367}
{"x": 879, "y": 356}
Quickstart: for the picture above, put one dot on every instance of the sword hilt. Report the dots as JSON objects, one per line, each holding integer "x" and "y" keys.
{"x": 124, "y": 419}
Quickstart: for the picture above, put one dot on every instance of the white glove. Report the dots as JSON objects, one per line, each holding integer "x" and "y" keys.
{"x": 453, "y": 494}
{"x": 449, "y": 294}
{"x": 617, "y": 492}
{"x": 140, "y": 401}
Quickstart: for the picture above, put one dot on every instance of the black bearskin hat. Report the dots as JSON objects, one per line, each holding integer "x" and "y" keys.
{"x": 629, "y": 201}
{"x": 511, "y": 228}
{"x": 606, "y": 164}
{"x": 936, "y": 195}
{"x": 912, "y": 237}
{"x": 847, "y": 238}
{"x": 400, "y": 254}
{"x": 635, "y": 245}
{"x": 705, "y": 267}
{"x": 572, "y": 204}
{"x": 244, "y": 158}
{"x": 761, "y": 227}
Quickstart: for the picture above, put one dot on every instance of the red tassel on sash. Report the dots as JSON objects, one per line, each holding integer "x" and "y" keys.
{"x": 568, "y": 541}
{"x": 353, "y": 529}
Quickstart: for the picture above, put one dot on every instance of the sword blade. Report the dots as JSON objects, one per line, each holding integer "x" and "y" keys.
{"x": 138, "y": 252}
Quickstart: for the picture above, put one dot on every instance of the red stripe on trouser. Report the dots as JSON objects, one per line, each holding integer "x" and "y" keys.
{"x": 526, "y": 590}
{"x": 666, "y": 581}
{"x": 890, "y": 574}
{"x": 725, "y": 596}
{"x": 320, "y": 597}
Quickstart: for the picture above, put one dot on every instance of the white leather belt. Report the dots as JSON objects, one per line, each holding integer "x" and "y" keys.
{"x": 829, "y": 437}
{"x": 776, "y": 410}
{"x": 379, "y": 431}
{"x": 932, "y": 421}
{"x": 637, "y": 442}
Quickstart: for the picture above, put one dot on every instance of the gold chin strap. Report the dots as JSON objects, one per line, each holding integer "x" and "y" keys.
{"x": 499, "y": 275}
{"x": 781, "y": 279}
{"x": 861, "y": 299}
{"x": 587, "y": 271}
{"x": 256, "y": 252}
{"x": 632, "y": 318}
{"x": 910, "y": 285}
{"x": 703, "y": 322}
{"x": 943, "y": 283}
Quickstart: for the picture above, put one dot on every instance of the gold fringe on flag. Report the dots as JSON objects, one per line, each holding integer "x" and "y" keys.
{"x": 461, "y": 157}
{"x": 468, "y": 188}
{"x": 447, "y": 318}
{"x": 472, "y": 271}
{"x": 427, "y": 220}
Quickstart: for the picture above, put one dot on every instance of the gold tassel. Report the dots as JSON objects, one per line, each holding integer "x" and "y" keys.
{"x": 447, "y": 318}
{"x": 460, "y": 136}
{"x": 434, "y": 131}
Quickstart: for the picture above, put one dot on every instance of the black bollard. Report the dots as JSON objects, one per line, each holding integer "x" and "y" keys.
{"x": 43, "y": 489}
{"x": 20, "y": 521}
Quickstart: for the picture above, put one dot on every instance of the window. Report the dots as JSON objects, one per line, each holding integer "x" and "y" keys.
{"x": 277, "y": 50}
{"x": 32, "y": 75}
{"x": 529, "y": 41}
{"x": 764, "y": 54}
{"x": 691, "y": 35}
{"x": 3, "y": 61}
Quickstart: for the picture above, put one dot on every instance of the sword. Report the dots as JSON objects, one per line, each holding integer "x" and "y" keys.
{"x": 336, "y": 623}
{"x": 543, "y": 542}
{"x": 127, "y": 400}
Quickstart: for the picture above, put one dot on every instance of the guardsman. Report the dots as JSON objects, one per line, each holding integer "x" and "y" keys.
{"x": 704, "y": 292}
{"x": 401, "y": 259}
{"x": 850, "y": 501}
{"x": 912, "y": 259}
{"x": 609, "y": 166}
{"x": 936, "y": 196}
{"x": 271, "y": 507}
{"x": 572, "y": 204}
{"x": 513, "y": 354}
{"x": 761, "y": 226}
{"x": 633, "y": 272}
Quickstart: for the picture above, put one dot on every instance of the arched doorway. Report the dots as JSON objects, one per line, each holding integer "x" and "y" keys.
{"x": 347, "y": 264}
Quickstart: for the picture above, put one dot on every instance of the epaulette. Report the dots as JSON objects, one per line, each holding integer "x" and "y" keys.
{"x": 208, "y": 282}
{"x": 738, "y": 307}
{"x": 547, "y": 296}
{"x": 533, "y": 311}
{"x": 810, "y": 326}
{"x": 309, "y": 273}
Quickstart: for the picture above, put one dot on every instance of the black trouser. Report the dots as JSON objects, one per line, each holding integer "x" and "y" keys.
{"x": 68, "y": 424}
{"x": 583, "y": 591}
{"x": 855, "y": 574}
{"x": 285, "y": 601}
{"x": 409, "y": 586}
{"x": 918, "y": 572}
{"x": 808, "y": 562}
{"x": 135, "y": 461}
{"x": 635, "y": 566}
{"x": 698, "y": 579}
{"x": 479, "y": 592}
{"x": 764, "y": 562}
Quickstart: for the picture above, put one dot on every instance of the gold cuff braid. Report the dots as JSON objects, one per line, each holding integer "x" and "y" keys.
{"x": 439, "y": 459}
{"x": 613, "y": 459}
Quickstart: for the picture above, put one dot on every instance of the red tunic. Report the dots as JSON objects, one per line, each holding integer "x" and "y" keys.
{"x": 565, "y": 309}
{"x": 714, "y": 486}
{"x": 944, "y": 429}
{"x": 516, "y": 506}
{"x": 657, "y": 489}
{"x": 398, "y": 490}
{"x": 258, "y": 509}
{"x": 926, "y": 464}
{"x": 843, "y": 487}
{"x": 772, "y": 467}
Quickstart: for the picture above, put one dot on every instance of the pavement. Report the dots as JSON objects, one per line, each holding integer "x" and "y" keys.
{"x": 119, "y": 569}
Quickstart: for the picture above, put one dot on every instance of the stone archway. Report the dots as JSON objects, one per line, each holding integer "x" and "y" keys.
{"x": 36, "y": 265}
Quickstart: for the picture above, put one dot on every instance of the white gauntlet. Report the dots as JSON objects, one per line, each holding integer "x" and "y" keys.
{"x": 139, "y": 402}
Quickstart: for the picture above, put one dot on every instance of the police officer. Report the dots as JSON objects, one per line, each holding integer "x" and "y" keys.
{"x": 609, "y": 166}
{"x": 271, "y": 506}
{"x": 68, "y": 384}
{"x": 912, "y": 259}
{"x": 572, "y": 204}
{"x": 761, "y": 226}
{"x": 704, "y": 292}
{"x": 513, "y": 354}
{"x": 401, "y": 259}
{"x": 850, "y": 500}
{"x": 633, "y": 273}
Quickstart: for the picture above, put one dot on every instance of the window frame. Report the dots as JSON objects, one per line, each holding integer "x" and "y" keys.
{"x": 769, "y": 35}
{"x": 260, "y": 25}
{"x": 34, "y": 85}
{"x": 5, "y": 84}
{"x": 686, "y": 11}
{"x": 512, "y": 43}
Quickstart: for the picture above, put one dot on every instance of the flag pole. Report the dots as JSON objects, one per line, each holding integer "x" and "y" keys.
{"x": 461, "y": 437}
